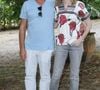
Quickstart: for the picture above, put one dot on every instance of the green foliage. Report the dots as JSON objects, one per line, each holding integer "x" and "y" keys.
{"x": 93, "y": 6}
{"x": 9, "y": 10}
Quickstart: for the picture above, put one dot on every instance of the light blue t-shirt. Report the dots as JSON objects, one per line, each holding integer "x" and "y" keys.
{"x": 40, "y": 34}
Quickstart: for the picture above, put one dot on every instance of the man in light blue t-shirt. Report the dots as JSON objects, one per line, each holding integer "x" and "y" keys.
{"x": 37, "y": 17}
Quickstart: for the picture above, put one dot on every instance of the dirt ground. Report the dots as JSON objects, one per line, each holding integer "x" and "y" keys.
{"x": 12, "y": 69}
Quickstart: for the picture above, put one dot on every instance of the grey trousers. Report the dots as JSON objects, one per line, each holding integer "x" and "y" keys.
{"x": 61, "y": 53}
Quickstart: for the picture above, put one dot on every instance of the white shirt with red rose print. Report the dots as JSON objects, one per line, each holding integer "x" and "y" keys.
{"x": 70, "y": 27}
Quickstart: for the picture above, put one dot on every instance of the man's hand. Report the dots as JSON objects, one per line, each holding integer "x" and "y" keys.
{"x": 22, "y": 34}
{"x": 23, "y": 54}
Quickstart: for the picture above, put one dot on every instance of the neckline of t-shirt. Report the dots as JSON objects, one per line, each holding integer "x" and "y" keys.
{"x": 39, "y": 4}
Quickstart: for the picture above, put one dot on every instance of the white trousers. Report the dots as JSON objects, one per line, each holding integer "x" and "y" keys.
{"x": 43, "y": 58}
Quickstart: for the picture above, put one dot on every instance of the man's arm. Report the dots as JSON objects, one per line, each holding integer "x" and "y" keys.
{"x": 22, "y": 34}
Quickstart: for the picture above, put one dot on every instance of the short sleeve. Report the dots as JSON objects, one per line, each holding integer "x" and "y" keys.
{"x": 23, "y": 13}
{"x": 81, "y": 10}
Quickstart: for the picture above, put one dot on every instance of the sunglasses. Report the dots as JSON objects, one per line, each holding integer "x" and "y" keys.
{"x": 40, "y": 11}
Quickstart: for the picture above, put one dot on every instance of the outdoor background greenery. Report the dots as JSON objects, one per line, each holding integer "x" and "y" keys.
{"x": 9, "y": 13}
{"x": 10, "y": 9}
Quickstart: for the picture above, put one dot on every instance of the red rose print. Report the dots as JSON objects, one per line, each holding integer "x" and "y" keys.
{"x": 81, "y": 13}
{"x": 81, "y": 5}
{"x": 63, "y": 20}
{"x": 81, "y": 31}
{"x": 61, "y": 38}
{"x": 78, "y": 35}
{"x": 72, "y": 26}
{"x": 82, "y": 28}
